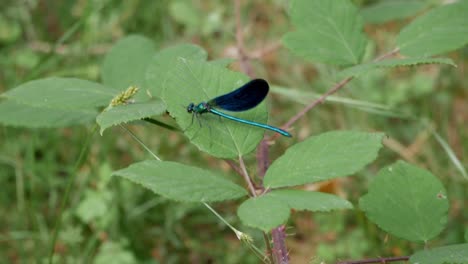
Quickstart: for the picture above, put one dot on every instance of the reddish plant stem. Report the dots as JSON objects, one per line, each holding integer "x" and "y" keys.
{"x": 234, "y": 166}
{"x": 280, "y": 251}
{"x": 263, "y": 161}
{"x": 247, "y": 68}
{"x": 319, "y": 100}
{"x": 376, "y": 260}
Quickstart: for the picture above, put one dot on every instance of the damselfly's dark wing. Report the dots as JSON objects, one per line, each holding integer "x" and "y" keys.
{"x": 245, "y": 97}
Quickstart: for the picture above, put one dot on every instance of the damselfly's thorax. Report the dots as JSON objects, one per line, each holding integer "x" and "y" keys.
{"x": 199, "y": 108}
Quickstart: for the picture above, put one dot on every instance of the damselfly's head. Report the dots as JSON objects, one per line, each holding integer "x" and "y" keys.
{"x": 190, "y": 107}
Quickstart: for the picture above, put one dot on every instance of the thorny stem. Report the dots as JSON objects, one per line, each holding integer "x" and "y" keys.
{"x": 263, "y": 161}
{"x": 247, "y": 68}
{"x": 279, "y": 245}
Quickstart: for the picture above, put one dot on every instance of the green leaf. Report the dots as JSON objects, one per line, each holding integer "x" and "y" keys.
{"x": 125, "y": 64}
{"x": 15, "y": 114}
{"x": 272, "y": 209}
{"x": 363, "y": 68}
{"x": 63, "y": 93}
{"x": 129, "y": 112}
{"x": 311, "y": 201}
{"x": 323, "y": 157}
{"x": 326, "y": 31}
{"x": 452, "y": 254}
{"x": 385, "y": 11}
{"x": 94, "y": 205}
{"x": 440, "y": 30}
{"x": 407, "y": 202}
{"x": 199, "y": 82}
{"x": 165, "y": 61}
{"x": 114, "y": 252}
{"x": 185, "y": 13}
{"x": 181, "y": 182}
{"x": 265, "y": 212}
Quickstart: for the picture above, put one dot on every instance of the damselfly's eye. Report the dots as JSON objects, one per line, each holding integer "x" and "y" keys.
{"x": 190, "y": 108}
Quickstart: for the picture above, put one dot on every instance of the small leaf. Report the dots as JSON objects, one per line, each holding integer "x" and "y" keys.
{"x": 323, "y": 157}
{"x": 185, "y": 13}
{"x": 384, "y": 11}
{"x": 363, "y": 68}
{"x": 181, "y": 182}
{"x": 326, "y": 31}
{"x": 440, "y": 30}
{"x": 452, "y": 254}
{"x": 163, "y": 62}
{"x": 195, "y": 82}
{"x": 125, "y": 64}
{"x": 16, "y": 114}
{"x": 114, "y": 252}
{"x": 311, "y": 201}
{"x": 93, "y": 206}
{"x": 265, "y": 212}
{"x": 130, "y": 112}
{"x": 63, "y": 93}
{"x": 407, "y": 202}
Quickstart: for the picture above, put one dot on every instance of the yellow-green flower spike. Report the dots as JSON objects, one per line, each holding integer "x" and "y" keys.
{"x": 124, "y": 97}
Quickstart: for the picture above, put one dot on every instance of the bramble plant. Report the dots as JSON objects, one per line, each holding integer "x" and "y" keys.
{"x": 141, "y": 83}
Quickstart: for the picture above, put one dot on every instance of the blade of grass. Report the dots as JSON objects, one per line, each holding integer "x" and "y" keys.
{"x": 70, "y": 183}
{"x": 450, "y": 154}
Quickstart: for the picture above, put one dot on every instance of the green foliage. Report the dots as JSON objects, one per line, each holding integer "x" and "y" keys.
{"x": 180, "y": 182}
{"x": 448, "y": 254}
{"x": 129, "y": 112}
{"x": 384, "y": 11}
{"x": 112, "y": 252}
{"x": 326, "y": 31}
{"x": 265, "y": 212}
{"x": 165, "y": 61}
{"x": 323, "y": 157}
{"x": 195, "y": 82}
{"x": 125, "y": 64}
{"x": 62, "y": 93}
{"x": 440, "y": 30}
{"x": 117, "y": 221}
{"x": 22, "y": 115}
{"x": 407, "y": 202}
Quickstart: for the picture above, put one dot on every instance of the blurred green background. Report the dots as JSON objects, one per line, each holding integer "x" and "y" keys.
{"x": 109, "y": 220}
